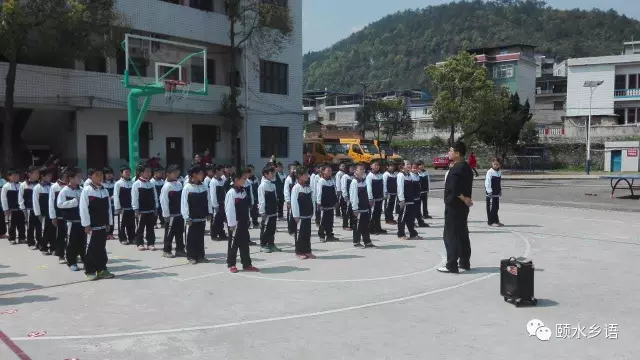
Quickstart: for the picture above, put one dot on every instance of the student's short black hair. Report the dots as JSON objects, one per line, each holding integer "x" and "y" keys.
{"x": 209, "y": 167}
{"x": 92, "y": 171}
{"x": 32, "y": 169}
{"x": 268, "y": 169}
{"x": 498, "y": 160}
{"x": 173, "y": 168}
{"x": 251, "y": 166}
{"x": 46, "y": 171}
{"x": 247, "y": 170}
{"x": 124, "y": 168}
{"x": 194, "y": 170}
{"x": 278, "y": 163}
{"x": 361, "y": 164}
{"x": 376, "y": 161}
{"x": 227, "y": 166}
{"x": 420, "y": 163}
{"x": 159, "y": 169}
{"x": 460, "y": 147}
{"x": 107, "y": 170}
{"x": 13, "y": 172}
{"x": 71, "y": 172}
{"x": 292, "y": 166}
{"x": 142, "y": 167}
{"x": 301, "y": 170}
{"x": 296, "y": 163}
{"x": 218, "y": 167}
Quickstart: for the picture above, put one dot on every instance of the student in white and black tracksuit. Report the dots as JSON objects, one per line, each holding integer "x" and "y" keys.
{"x": 417, "y": 200}
{"x": 341, "y": 171}
{"x": 348, "y": 220}
{"x": 375, "y": 189}
{"x": 255, "y": 182}
{"x": 389, "y": 179}
{"x": 96, "y": 218}
{"x": 217, "y": 193}
{"x": 302, "y": 212}
{"x": 144, "y": 202}
{"x": 122, "y": 205}
{"x": 313, "y": 183}
{"x": 268, "y": 210}
{"x": 108, "y": 184}
{"x": 326, "y": 200}
{"x": 57, "y": 219}
{"x": 68, "y": 202}
{"x": 279, "y": 180}
{"x": 11, "y": 207}
{"x": 425, "y": 185}
{"x": 236, "y": 204}
{"x": 406, "y": 205}
{"x": 493, "y": 188}
{"x": 170, "y": 202}
{"x": 158, "y": 183}
{"x": 41, "y": 193}
{"x": 25, "y": 199}
{"x": 196, "y": 209}
{"x": 361, "y": 204}
{"x": 3, "y": 221}
{"x": 289, "y": 183}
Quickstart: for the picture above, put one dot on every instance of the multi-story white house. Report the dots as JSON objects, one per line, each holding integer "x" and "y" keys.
{"x": 79, "y": 112}
{"x": 615, "y": 105}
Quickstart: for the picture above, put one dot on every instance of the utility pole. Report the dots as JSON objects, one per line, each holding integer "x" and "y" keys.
{"x": 592, "y": 85}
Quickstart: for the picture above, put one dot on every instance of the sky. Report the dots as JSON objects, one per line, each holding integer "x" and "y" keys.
{"x": 325, "y": 22}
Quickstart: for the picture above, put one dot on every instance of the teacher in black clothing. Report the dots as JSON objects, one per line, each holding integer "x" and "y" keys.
{"x": 457, "y": 201}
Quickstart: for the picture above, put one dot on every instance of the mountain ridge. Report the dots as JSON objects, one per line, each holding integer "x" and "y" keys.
{"x": 392, "y": 52}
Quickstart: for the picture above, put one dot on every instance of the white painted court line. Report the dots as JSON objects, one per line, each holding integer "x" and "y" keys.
{"x": 279, "y": 318}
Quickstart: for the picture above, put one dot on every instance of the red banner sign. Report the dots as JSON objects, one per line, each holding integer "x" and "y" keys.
{"x": 632, "y": 152}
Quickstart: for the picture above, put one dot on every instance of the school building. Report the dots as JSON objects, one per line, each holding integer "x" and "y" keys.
{"x": 79, "y": 112}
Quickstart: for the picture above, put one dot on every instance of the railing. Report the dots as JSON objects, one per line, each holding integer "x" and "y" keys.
{"x": 555, "y": 131}
{"x": 627, "y": 93}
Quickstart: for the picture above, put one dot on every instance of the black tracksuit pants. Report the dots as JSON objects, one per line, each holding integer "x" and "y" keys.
{"x": 361, "y": 230}
{"x": 239, "y": 240}
{"x": 375, "y": 225}
{"x": 96, "y": 257}
{"x": 34, "y": 229}
{"x": 61, "y": 238}
{"x": 17, "y": 225}
{"x": 280, "y": 205}
{"x": 326, "y": 223}
{"x": 388, "y": 210}
{"x": 339, "y": 205}
{"x": 303, "y": 236}
{"x": 127, "y": 229}
{"x": 254, "y": 214}
{"x": 217, "y": 226}
{"x": 318, "y": 216}
{"x": 291, "y": 223}
{"x": 424, "y": 198}
{"x": 406, "y": 218}
{"x": 268, "y": 230}
{"x": 146, "y": 224}
{"x": 195, "y": 239}
{"x": 174, "y": 228}
{"x": 456, "y": 236}
{"x": 348, "y": 218}
{"x": 77, "y": 243}
{"x": 493, "y": 205}
{"x": 48, "y": 239}
{"x": 3, "y": 223}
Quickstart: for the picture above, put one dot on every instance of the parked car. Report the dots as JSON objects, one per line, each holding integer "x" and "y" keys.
{"x": 441, "y": 162}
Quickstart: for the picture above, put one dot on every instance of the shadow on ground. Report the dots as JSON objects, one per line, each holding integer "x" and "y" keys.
{"x": 282, "y": 270}
{"x": 19, "y": 286}
{"x": 145, "y": 275}
{"x": 340, "y": 257}
{"x": 25, "y": 300}
{"x": 11, "y": 275}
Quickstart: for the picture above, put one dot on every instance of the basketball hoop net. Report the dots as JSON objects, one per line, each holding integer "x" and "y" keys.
{"x": 175, "y": 90}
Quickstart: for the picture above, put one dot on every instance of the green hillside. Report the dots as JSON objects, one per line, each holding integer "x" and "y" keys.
{"x": 392, "y": 52}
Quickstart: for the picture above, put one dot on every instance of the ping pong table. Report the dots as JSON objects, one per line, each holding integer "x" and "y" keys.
{"x": 616, "y": 179}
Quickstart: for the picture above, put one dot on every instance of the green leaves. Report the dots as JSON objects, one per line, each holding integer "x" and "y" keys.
{"x": 386, "y": 118}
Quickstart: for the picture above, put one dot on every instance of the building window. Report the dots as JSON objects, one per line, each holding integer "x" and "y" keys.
{"x": 503, "y": 71}
{"x": 204, "y": 5}
{"x": 620, "y": 82}
{"x": 98, "y": 64}
{"x": 274, "y": 77}
{"x": 620, "y": 113}
{"x": 631, "y": 116}
{"x": 274, "y": 140}
{"x": 174, "y": 75}
{"x": 558, "y": 105}
{"x": 332, "y": 116}
{"x": 281, "y": 3}
{"x": 143, "y": 143}
{"x": 306, "y": 117}
{"x": 177, "y": 2}
{"x": 197, "y": 73}
{"x": 633, "y": 81}
{"x": 320, "y": 118}
{"x": 425, "y": 111}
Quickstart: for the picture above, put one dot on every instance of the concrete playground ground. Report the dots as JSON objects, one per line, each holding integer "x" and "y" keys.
{"x": 384, "y": 303}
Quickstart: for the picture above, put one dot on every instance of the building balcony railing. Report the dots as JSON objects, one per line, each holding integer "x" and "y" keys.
{"x": 627, "y": 93}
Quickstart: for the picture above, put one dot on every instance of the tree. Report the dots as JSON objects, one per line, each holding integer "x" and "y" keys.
{"x": 366, "y": 119}
{"x": 394, "y": 119}
{"x": 52, "y": 33}
{"x": 462, "y": 91}
{"x": 503, "y": 121}
{"x": 264, "y": 28}
{"x": 529, "y": 134}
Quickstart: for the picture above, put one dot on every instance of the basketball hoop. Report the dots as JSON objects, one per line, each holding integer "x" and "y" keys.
{"x": 175, "y": 90}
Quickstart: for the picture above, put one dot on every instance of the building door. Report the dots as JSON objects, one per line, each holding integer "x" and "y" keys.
{"x": 205, "y": 138}
{"x": 97, "y": 155}
{"x": 616, "y": 160}
{"x": 174, "y": 152}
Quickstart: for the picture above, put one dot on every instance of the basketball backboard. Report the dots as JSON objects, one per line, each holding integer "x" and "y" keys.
{"x": 152, "y": 61}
